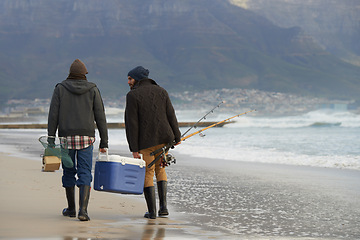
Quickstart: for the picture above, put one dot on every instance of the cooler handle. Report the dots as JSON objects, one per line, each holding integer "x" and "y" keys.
{"x": 107, "y": 155}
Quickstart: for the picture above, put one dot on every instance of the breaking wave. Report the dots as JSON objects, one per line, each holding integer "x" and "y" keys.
{"x": 320, "y": 118}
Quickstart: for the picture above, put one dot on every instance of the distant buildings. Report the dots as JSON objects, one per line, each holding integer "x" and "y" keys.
{"x": 234, "y": 100}
{"x": 266, "y": 103}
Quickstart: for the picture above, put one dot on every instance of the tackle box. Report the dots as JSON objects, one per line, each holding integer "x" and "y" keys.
{"x": 51, "y": 163}
{"x": 51, "y": 160}
{"x": 118, "y": 174}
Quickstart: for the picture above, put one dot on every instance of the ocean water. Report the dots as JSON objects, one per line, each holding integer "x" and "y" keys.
{"x": 248, "y": 201}
{"x": 243, "y": 200}
{"x": 321, "y": 138}
{"x": 311, "y": 198}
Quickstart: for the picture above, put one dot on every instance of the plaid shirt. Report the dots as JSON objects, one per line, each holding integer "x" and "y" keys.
{"x": 79, "y": 142}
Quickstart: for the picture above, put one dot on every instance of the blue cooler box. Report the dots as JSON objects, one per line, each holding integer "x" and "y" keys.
{"x": 117, "y": 174}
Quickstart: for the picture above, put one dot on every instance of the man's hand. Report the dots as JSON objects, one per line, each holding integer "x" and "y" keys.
{"x": 136, "y": 155}
{"x": 103, "y": 150}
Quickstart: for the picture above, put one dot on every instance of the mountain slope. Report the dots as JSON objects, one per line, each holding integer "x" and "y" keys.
{"x": 334, "y": 24}
{"x": 202, "y": 44}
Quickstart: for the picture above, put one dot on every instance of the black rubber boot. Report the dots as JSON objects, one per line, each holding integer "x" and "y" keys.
{"x": 83, "y": 202}
{"x": 149, "y": 193}
{"x": 162, "y": 190}
{"x": 70, "y": 196}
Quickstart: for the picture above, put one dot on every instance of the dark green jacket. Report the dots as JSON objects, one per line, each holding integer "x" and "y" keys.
{"x": 75, "y": 106}
{"x": 149, "y": 117}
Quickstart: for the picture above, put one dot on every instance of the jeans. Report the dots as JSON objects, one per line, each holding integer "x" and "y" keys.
{"x": 82, "y": 168}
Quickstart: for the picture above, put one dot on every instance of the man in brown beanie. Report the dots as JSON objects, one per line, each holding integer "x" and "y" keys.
{"x": 150, "y": 124}
{"x": 75, "y": 106}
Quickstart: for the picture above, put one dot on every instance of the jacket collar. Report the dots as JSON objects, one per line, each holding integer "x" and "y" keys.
{"x": 144, "y": 82}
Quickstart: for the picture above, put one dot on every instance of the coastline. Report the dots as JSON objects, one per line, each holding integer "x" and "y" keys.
{"x": 110, "y": 125}
{"x": 208, "y": 199}
{"x": 32, "y": 201}
{"x": 271, "y": 201}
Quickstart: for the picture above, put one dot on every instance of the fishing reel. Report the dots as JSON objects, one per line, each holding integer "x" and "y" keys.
{"x": 167, "y": 159}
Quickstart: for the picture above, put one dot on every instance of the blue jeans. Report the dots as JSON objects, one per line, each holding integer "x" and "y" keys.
{"x": 82, "y": 168}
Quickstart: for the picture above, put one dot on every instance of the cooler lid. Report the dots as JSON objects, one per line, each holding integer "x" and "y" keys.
{"x": 121, "y": 159}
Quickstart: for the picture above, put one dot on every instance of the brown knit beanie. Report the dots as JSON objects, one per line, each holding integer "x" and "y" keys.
{"x": 78, "y": 67}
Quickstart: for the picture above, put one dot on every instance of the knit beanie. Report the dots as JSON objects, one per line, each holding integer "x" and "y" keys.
{"x": 78, "y": 67}
{"x": 139, "y": 73}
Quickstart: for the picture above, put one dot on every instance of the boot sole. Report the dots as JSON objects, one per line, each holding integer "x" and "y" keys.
{"x": 147, "y": 215}
{"x": 68, "y": 214}
{"x": 164, "y": 213}
{"x": 83, "y": 218}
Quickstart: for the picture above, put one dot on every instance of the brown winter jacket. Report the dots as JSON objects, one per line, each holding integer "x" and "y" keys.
{"x": 150, "y": 118}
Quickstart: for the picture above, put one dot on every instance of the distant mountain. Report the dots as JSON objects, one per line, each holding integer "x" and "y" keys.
{"x": 203, "y": 44}
{"x": 334, "y": 24}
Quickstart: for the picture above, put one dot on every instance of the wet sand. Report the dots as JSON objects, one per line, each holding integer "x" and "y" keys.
{"x": 31, "y": 203}
{"x": 268, "y": 201}
{"x": 208, "y": 199}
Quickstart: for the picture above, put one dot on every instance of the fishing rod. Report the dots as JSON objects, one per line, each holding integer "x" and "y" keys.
{"x": 167, "y": 147}
{"x": 193, "y": 126}
{"x": 215, "y": 124}
{"x": 204, "y": 117}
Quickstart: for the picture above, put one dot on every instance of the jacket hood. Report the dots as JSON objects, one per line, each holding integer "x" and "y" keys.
{"x": 77, "y": 86}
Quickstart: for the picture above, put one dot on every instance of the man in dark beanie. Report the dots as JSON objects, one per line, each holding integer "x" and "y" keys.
{"x": 137, "y": 74}
{"x": 150, "y": 124}
{"x": 75, "y": 106}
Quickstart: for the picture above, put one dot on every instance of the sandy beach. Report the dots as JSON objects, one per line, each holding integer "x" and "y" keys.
{"x": 208, "y": 199}
{"x": 270, "y": 201}
{"x": 32, "y": 201}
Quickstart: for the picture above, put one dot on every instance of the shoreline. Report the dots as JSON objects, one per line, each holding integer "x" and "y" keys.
{"x": 208, "y": 199}
{"x": 110, "y": 125}
{"x": 32, "y": 201}
{"x": 272, "y": 201}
